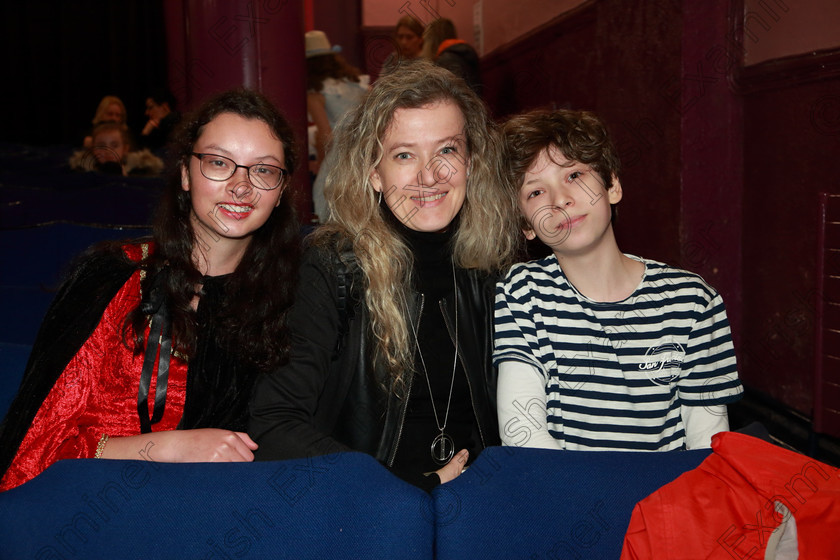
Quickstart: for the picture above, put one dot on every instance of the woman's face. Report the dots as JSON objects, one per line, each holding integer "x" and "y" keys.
{"x": 113, "y": 113}
{"x": 409, "y": 42}
{"x": 422, "y": 174}
{"x": 232, "y": 210}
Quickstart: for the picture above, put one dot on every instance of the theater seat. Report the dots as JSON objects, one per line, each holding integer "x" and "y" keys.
{"x": 13, "y": 359}
{"x": 337, "y": 506}
{"x": 826, "y": 383}
{"x": 539, "y": 504}
{"x": 36, "y": 260}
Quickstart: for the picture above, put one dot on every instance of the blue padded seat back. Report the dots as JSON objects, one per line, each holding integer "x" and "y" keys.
{"x": 35, "y": 262}
{"x": 336, "y": 506}
{"x": 540, "y": 504}
{"x": 13, "y": 358}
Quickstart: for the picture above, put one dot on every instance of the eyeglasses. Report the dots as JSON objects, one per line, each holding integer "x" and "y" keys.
{"x": 220, "y": 168}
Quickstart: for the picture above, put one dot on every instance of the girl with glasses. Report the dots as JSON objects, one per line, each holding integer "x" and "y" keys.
{"x": 151, "y": 348}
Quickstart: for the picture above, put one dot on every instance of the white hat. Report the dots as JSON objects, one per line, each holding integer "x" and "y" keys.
{"x": 318, "y": 44}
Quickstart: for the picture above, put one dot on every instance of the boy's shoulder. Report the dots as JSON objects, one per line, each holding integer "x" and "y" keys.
{"x": 546, "y": 267}
{"x": 666, "y": 277}
{"x": 539, "y": 280}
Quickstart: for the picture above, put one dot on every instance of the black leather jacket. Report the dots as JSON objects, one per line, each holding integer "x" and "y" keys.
{"x": 330, "y": 398}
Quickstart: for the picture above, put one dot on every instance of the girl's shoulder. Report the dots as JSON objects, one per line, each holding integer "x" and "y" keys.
{"x": 139, "y": 251}
{"x": 105, "y": 264}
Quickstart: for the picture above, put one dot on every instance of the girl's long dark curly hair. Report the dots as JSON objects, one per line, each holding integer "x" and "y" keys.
{"x": 260, "y": 290}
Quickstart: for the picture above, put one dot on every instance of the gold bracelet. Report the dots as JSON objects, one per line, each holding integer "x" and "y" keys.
{"x": 101, "y": 446}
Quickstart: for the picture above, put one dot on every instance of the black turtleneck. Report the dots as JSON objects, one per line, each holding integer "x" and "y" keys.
{"x": 434, "y": 279}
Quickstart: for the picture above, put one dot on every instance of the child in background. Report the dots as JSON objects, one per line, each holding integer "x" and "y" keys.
{"x": 111, "y": 108}
{"x": 597, "y": 349}
{"x": 110, "y": 153}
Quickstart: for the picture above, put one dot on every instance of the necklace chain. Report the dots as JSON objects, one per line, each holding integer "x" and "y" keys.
{"x": 443, "y": 439}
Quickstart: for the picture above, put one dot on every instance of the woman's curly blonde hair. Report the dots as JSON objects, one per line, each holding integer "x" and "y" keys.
{"x": 486, "y": 235}
{"x": 106, "y": 102}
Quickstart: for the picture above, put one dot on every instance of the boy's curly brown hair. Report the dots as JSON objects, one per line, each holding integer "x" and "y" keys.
{"x": 579, "y": 135}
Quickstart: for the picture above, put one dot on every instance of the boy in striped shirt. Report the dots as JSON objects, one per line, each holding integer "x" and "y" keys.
{"x": 597, "y": 349}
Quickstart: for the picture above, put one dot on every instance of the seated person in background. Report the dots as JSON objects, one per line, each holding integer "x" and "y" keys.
{"x": 150, "y": 349}
{"x": 163, "y": 118}
{"x": 442, "y": 45}
{"x": 409, "y": 38}
{"x": 333, "y": 89}
{"x": 112, "y": 109}
{"x": 110, "y": 153}
{"x": 597, "y": 349}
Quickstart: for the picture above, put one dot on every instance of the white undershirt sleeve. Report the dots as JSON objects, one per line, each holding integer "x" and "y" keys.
{"x": 702, "y": 422}
{"x": 521, "y": 404}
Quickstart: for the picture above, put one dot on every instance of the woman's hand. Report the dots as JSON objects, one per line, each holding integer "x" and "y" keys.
{"x": 454, "y": 467}
{"x": 183, "y": 446}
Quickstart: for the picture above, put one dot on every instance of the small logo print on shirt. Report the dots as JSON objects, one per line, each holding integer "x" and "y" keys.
{"x": 663, "y": 362}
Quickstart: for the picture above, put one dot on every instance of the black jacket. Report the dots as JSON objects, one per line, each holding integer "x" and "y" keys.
{"x": 330, "y": 397}
{"x": 462, "y": 60}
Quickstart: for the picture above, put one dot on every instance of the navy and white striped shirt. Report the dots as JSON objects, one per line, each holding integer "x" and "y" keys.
{"x": 616, "y": 374}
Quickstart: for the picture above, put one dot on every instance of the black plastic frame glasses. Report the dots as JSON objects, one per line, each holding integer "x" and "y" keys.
{"x": 221, "y": 168}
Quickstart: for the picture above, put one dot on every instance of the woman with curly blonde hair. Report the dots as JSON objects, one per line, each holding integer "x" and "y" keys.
{"x": 391, "y": 328}
{"x": 110, "y": 109}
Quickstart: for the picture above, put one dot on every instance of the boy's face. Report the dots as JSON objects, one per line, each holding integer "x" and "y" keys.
{"x": 566, "y": 204}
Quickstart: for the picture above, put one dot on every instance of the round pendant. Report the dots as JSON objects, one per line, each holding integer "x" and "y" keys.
{"x": 443, "y": 448}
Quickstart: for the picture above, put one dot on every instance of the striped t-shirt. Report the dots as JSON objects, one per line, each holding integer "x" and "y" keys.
{"x": 616, "y": 373}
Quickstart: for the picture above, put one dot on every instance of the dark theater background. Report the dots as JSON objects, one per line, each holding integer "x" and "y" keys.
{"x": 726, "y": 115}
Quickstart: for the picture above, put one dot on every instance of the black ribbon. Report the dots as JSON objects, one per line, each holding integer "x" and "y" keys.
{"x": 154, "y": 304}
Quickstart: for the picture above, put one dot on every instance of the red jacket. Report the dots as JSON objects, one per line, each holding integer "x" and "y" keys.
{"x": 726, "y": 507}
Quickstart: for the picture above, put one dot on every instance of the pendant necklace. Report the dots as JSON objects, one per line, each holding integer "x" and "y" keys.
{"x": 443, "y": 446}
